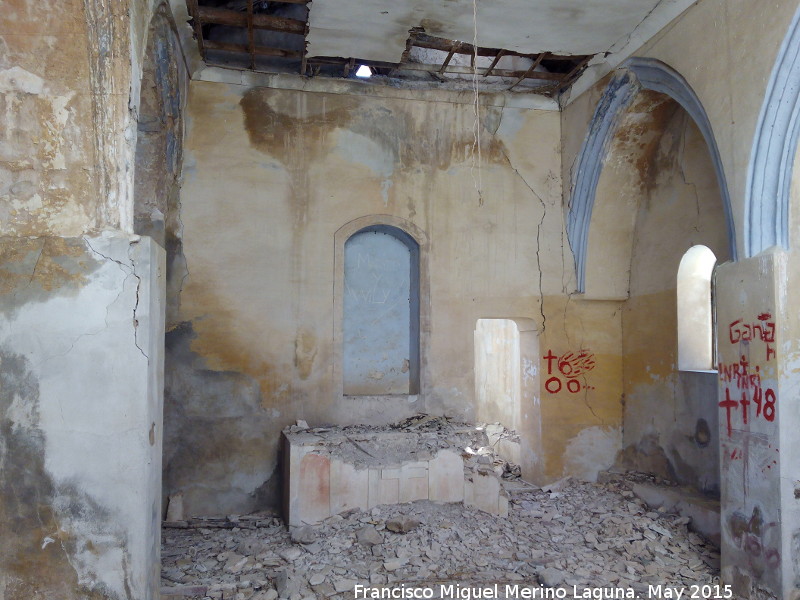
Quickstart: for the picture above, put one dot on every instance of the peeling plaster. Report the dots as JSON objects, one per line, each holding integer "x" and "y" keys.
{"x": 76, "y": 311}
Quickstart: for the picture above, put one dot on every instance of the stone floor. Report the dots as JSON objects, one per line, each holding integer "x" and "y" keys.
{"x": 569, "y": 534}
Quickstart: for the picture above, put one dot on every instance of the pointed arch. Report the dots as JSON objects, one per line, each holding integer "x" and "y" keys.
{"x": 769, "y": 174}
{"x": 635, "y": 75}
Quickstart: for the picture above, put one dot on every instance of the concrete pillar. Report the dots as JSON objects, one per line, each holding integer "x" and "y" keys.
{"x": 759, "y": 418}
{"x": 81, "y": 345}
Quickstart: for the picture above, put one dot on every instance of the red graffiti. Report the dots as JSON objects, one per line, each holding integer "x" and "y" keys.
{"x": 765, "y": 406}
{"x": 575, "y": 365}
{"x": 571, "y": 366}
{"x": 763, "y": 329}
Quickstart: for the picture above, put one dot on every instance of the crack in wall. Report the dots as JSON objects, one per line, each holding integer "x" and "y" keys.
{"x": 129, "y": 270}
{"x": 538, "y": 236}
{"x": 627, "y": 37}
{"x": 36, "y": 265}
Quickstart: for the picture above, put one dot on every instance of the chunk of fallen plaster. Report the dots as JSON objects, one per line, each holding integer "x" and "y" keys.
{"x": 303, "y": 535}
{"x": 394, "y": 564}
{"x": 368, "y": 536}
{"x": 557, "y": 486}
{"x": 175, "y": 508}
{"x": 290, "y": 554}
{"x": 344, "y": 585}
{"x": 551, "y": 577}
{"x": 402, "y": 524}
{"x": 286, "y": 585}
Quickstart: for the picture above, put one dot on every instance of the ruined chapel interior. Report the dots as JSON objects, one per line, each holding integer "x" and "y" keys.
{"x": 405, "y": 270}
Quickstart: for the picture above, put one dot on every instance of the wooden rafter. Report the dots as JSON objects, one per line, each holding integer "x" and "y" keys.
{"x": 304, "y": 59}
{"x": 251, "y": 42}
{"x": 567, "y": 79}
{"x": 348, "y": 66}
{"x": 223, "y": 16}
{"x": 446, "y": 62}
{"x": 257, "y": 50}
{"x": 531, "y": 70}
{"x": 496, "y": 59}
{"x": 194, "y": 12}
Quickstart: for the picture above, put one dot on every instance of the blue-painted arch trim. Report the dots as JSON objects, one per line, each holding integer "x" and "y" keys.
{"x": 769, "y": 174}
{"x": 636, "y": 74}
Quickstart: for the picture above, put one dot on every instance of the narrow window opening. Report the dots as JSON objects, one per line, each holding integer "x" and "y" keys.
{"x": 696, "y": 310}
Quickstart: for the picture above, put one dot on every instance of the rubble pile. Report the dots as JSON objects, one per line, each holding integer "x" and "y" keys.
{"x": 569, "y": 533}
{"x": 413, "y": 439}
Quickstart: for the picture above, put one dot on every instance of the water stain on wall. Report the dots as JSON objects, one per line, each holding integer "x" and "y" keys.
{"x": 38, "y": 549}
{"x": 220, "y": 444}
{"x": 32, "y": 268}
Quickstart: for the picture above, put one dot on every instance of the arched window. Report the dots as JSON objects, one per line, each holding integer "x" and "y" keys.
{"x": 381, "y": 313}
{"x": 695, "y": 310}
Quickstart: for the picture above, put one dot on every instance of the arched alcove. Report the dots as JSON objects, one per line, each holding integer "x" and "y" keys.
{"x": 654, "y": 188}
{"x": 159, "y": 137}
{"x": 380, "y": 325}
{"x": 636, "y": 77}
{"x": 159, "y": 148}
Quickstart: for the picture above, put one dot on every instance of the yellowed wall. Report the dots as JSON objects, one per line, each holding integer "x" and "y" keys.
{"x": 46, "y": 152}
{"x": 271, "y": 175}
{"x": 679, "y": 207}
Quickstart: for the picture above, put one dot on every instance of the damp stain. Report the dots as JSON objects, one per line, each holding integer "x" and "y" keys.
{"x": 34, "y": 268}
{"x": 220, "y": 444}
{"x": 38, "y": 546}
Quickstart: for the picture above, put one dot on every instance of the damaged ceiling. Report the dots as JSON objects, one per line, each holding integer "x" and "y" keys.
{"x": 523, "y": 45}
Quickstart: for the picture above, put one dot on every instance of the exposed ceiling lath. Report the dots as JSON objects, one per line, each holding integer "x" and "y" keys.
{"x": 272, "y": 37}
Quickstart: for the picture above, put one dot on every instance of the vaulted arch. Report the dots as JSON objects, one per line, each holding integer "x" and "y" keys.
{"x": 769, "y": 174}
{"x": 636, "y": 76}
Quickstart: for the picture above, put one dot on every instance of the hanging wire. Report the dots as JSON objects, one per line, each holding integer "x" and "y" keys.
{"x": 476, "y": 128}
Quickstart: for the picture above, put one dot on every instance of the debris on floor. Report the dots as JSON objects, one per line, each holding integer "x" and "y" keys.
{"x": 582, "y": 534}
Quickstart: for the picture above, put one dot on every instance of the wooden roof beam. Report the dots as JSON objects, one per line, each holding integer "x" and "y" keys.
{"x": 333, "y": 60}
{"x": 197, "y": 25}
{"x": 251, "y": 42}
{"x": 531, "y": 70}
{"x": 232, "y": 18}
{"x": 256, "y": 50}
{"x": 496, "y": 59}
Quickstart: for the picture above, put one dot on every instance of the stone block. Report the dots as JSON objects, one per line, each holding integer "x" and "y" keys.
{"x": 313, "y": 500}
{"x": 389, "y": 491}
{"x": 485, "y": 493}
{"x": 349, "y": 487}
{"x": 446, "y": 477}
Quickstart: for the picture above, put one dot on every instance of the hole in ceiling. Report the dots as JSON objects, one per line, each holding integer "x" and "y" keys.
{"x": 364, "y": 71}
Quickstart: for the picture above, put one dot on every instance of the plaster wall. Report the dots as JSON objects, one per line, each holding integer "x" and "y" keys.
{"x": 270, "y": 176}
{"x": 80, "y": 414}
